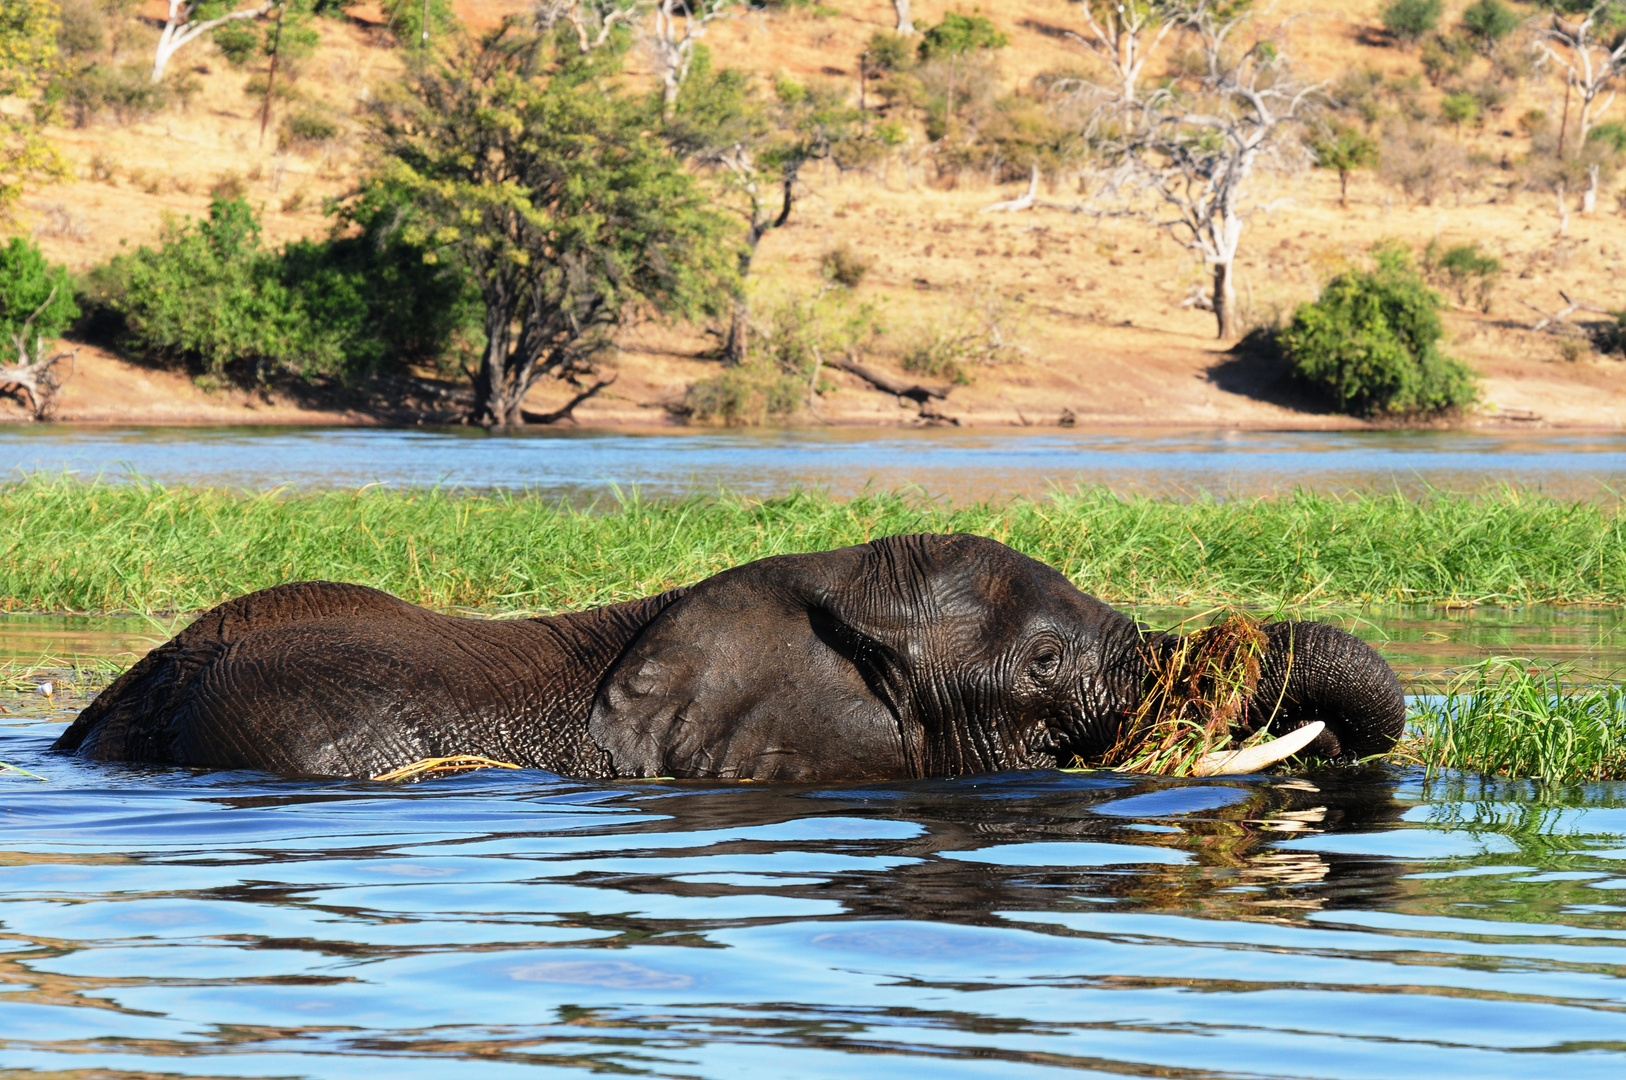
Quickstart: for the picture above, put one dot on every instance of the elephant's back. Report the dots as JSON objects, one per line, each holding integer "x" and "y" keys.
{"x": 147, "y": 714}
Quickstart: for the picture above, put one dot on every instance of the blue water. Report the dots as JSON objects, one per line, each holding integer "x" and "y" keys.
{"x": 160, "y": 922}
{"x": 506, "y": 924}
{"x": 958, "y": 465}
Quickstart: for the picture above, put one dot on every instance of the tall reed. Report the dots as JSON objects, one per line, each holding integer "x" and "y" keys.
{"x": 139, "y": 546}
{"x": 1515, "y": 717}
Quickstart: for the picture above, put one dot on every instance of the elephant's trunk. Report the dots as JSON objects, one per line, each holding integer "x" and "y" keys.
{"x": 1312, "y": 671}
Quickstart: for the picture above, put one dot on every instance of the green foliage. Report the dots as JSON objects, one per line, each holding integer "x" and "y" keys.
{"x": 791, "y": 336}
{"x": 405, "y": 20}
{"x": 526, "y": 166}
{"x": 1371, "y": 343}
{"x": 959, "y": 34}
{"x": 72, "y": 546}
{"x": 213, "y": 296}
{"x": 1459, "y": 108}
{"x": 1344, "y": 149}
{"x": 1409, "y": 20}
{"x": 888, "y": 51}
{"x": 1609, "y": 136}
{"x": 306, "y": 127}
{"x": 31, "y": 288}
{"x": 289, "y": 31}
{"x": 1511, "y": 716}
{"x": 1488, "y": 22}
{"x": 1465, "y": 269}
{"x": 28, "y": 63}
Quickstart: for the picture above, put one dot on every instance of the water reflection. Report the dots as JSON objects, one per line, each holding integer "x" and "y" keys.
{"x": 1343, "y": 923}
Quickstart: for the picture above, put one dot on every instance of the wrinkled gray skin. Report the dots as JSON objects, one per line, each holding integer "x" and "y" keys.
{"x": 907, "y": 657}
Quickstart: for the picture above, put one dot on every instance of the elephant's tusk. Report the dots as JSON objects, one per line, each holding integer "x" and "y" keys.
{"x": 1254, "y": 758}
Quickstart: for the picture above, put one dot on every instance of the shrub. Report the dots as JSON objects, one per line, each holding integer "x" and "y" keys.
{"x": 1464, "y": 268}
{"x": 127, "y": 92}
{"x": 844, "y": 266}
{"x": 1459, "y": 109}
{"x": 1488, "y": 22}
{"x": 1371, "y": 343}
{"x": 751, "y": 393}
{"x": 213, "y": 296}
{"x": 958, "y": 34}
{"x": 306, "y": 128}
{"x": 30, "y": 287}
{"x": 1445, "y": 57}
{"x": 1409, "y": 20}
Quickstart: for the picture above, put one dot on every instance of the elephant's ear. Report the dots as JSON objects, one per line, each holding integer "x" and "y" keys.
{"x": 760, "y": 673}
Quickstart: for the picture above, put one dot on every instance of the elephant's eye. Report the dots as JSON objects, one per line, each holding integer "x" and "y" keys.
{"x": 1044, "y": 663}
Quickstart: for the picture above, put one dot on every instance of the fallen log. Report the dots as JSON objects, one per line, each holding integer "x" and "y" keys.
{"x": 918, "y": 392}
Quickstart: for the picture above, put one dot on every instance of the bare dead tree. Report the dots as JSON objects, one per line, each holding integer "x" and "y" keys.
{"x": 1590, "y": 51}
{"x": 593, "y": 20}
{"x": 906, "y": 25}
{"x": 1124, "y": 34}
{"x": 189, "y": 20}
{"x": 679, "y": 26}
{"x": 1196, "y": 150}
{"x": 36, "y": 376}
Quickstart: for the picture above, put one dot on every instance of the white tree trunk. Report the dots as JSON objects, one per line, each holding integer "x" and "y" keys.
{"x": 1589, "y": 201}
{"x": 905, "y": 24}
{"x": 1563, "y": 209}
{"x": 179, "y": 30}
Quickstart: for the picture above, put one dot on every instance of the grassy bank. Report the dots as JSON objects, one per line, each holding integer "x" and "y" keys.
{"x": 143, "y": 547}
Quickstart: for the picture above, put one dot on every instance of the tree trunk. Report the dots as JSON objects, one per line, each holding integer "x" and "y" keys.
{"x": 1563, "y": 209}
{"x": 1343, "y": 188}
{"x": 494, "y": 402}
{"x": 905, "y": 25}
{"x": 1225, "y": 314}
{"x": 739, "y": 332}
{"x": 1589, "y": 201}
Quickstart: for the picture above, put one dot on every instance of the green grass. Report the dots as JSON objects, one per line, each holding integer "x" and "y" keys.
{"x": 1509, "y": 716}
{"x": 144, "y": 547}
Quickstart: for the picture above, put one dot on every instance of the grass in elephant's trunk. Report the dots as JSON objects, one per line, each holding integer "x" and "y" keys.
{"x": 1196, "y": 700}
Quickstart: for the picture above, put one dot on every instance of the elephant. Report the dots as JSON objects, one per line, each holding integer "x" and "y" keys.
{"x": 931, "y": 655}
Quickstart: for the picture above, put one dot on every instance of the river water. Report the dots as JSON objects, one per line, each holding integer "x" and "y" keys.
{"x": 1342, "y": 923}
{"x": 582, "y": 465}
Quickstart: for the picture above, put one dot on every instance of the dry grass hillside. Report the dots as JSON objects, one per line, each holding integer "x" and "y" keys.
{"x": 1093, "y": 304}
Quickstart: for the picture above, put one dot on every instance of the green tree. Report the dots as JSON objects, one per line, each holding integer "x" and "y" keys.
{"x": 36, "y": 302}
{"x": 36, "y": 298}
{"x": 1344, "y": 149}
{"x": 1409, "y": 20}
{"x": 1488, "y": 22}
{"x": 28, "y": 52}
{"x": 528, "y": 165}
{"x": 1371, "y": 343}
{"x": 1458, "y": 109}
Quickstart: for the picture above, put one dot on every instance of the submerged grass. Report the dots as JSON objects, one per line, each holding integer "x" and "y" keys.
{"x": 1514, "y": 717}
{"x": 67, "y": 545}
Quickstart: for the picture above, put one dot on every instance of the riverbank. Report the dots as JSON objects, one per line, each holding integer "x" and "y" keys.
{"x": 67, "y": 546}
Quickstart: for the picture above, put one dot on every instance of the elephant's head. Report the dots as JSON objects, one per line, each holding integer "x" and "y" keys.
{"x": 926, "y": 655}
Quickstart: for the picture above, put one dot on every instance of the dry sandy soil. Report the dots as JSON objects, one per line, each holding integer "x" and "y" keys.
{"x": 1102, "y": 335}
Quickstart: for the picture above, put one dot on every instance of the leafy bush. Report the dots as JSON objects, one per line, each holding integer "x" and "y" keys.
{"x": 844, "y": 266}
{"x": 213, "y": 296}
{"x": 305, "y": 128}
{"x": 1459, "y": 109}
{"x": 30, "y": 287}
{"x": 1488, "y": 22}
{"x": 127, "y": 92}
{"x": 1465, "y": 269}
{"x": 1409, "y": 20}
{"x": 1371, "y": 343}
{"x": 958, "y": 34}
